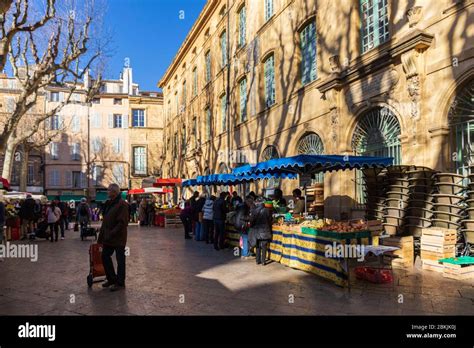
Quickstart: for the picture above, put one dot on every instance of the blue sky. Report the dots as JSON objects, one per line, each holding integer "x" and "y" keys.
{"x": 150, "y": 33}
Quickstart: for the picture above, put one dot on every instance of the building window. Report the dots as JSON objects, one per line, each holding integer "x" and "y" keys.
{"x": 118, "y": 174}
{"x": 95, "y": 101}
{"x": 184, "y": 93}
{"x": 175, "y": 145}
{"x": 138, "y": 117}
{"x": 195, "y": 130}
{"x": 54, "y": 96}
{"x": 176, "y": 100}
{"x": 76, "y": 179}
{"x": 97, "y": 174}
{"x": 269, "y": 72}
{"x": 462, "y": 128}
{"x": 76, "y": 124}
{"x": 96, "y": 120}
{"x": 139, "y": 160}
{"x": 53, "y": 179}
{"x": 308, "y": 53}
{"x": 56, "y": 122}
{"x": 54, "y": 151}
{"x": 31, "y": 174}
{"x": 183, "y": 141}
{"x": 242, "y": 26}
{"x": 311, "y": 144}
{"x": 76, "y": 152}
{"x": 97, "y": 145}
{"x": 118, "y": 145}
{"x": 223, "y": 40}
{"x": 208, "y": 66}
{"x": 223, "y": 103}
{"x": 117, "y": 121}
{"x": 243, "y": 99}
{"x": 374, "y": 26}
{"x": 195, "y": 82}
{"x": 377, "y": 134}
{"x": 208, "y": 123}
{"x": 268, "y": 9}
{"x": 117, "y": 101}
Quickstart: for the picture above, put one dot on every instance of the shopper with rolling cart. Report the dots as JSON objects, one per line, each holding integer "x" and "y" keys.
{"x": 113, "y": 236}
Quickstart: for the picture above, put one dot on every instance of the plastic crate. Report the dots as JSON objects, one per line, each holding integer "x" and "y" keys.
{"x": 374, "y": 275}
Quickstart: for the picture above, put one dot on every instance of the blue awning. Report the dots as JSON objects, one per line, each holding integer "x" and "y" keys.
{"x": 232, "y": 179}
{"x": 312, "y": 164}
{"x": 189, "y": 182}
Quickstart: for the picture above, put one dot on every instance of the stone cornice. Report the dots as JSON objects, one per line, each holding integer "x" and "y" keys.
{"x": 371, "y": 63}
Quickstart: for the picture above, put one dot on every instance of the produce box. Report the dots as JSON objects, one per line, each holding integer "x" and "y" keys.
{"x": 438, "y": 232}
{"x": 434, "y": 266}
{"x": 459, "y": 268}
{"x": 335, "y": 234}
{"x": 433, "y": 256}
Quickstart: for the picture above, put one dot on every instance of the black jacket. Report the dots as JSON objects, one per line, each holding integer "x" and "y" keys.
{"x": 27, "y": 209}
{"x": 113, "y": 231}
{"x": 2, "y": 215}
{"x": 220, "y": 209}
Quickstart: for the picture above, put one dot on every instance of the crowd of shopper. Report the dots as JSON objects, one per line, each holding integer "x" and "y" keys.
{"x": 204, "y": 216}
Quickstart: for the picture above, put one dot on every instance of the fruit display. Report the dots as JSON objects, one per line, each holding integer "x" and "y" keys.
{"x": 341, "y": 226}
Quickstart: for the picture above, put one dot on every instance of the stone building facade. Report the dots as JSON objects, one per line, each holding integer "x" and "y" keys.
{"x": 97, "y": 143}
{"x": 282, "y": 77}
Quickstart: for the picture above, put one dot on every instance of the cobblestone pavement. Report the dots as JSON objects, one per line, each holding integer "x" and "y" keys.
{"x": 167, "y": 275}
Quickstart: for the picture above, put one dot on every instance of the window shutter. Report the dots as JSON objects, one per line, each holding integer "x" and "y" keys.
{"x": 111, "y": 121}
{"x": 47, "y": 123}
{"x": 124, "y": 121}
{"x": 68, "y": 175}
{"x": 120, "y": 145}
{"x": 50, "y": 179}
{"x": 61, "y": 96}
{"x": 99, "y": 121}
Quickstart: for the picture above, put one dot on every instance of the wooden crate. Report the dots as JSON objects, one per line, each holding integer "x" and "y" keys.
{"x": 405, "y": 256}
{"x": 458, "y": 272}
{"x": 434, "y": 266}
{"x": 438, "y": 232}
{"x": 433, "y": 256}
{"x": 438, "y": 240}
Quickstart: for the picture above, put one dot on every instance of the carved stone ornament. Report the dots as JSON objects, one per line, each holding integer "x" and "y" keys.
{"x": 412, "y": 66}
{"x": 335, "y": 64}
{"x": 414, "y": 15}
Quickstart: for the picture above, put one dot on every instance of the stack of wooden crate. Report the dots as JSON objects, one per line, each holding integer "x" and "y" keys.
{"x": 436, "y": 244}
{"x": 458, "y": 272}
{"x": 403, "y": 258}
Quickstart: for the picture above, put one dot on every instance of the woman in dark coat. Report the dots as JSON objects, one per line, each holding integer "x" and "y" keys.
{"x": 260, "y": 232}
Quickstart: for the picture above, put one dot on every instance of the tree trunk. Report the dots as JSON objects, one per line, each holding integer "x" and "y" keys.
{"x": 8, "y": 160}
{"x": 24, "y": 169}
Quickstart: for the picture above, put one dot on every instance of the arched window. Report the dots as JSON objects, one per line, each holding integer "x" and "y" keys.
{"x": 461, "y": 121}
{"x": 311, "y": 144}
{"x": 223, "y": 168}
{"x": 377, "y": 134}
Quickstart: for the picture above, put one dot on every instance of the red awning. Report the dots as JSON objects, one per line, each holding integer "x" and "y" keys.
{"x": 167, "y": 182}
{"x": 148, "y": 190}
{"x": 4, "y": 184}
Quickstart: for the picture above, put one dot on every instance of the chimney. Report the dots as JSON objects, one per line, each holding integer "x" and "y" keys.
{"x": 87, "y": 80}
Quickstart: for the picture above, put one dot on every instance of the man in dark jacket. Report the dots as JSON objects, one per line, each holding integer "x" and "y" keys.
{"x": 219, "y": 216}
{"x": 27, "y": 216}
{"x": 113, "y": 236}
{"x": 260, "y": 232}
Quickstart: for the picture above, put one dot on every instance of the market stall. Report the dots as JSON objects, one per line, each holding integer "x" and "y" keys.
{"x": 303, "y": 242}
